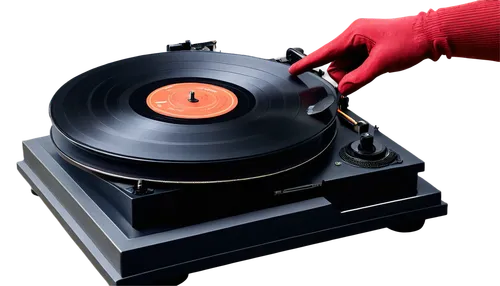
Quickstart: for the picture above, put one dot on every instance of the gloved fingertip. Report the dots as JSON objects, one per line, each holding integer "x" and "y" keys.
{"x": 294, "y": 69}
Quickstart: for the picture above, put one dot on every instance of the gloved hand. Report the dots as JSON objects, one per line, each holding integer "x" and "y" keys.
{"x": 367, "y": 49}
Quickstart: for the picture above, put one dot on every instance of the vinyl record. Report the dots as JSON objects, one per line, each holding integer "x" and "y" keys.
{"x": 191, "y": 117}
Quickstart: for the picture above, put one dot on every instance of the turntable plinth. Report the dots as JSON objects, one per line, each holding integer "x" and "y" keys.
{"x": 99, "y": 214}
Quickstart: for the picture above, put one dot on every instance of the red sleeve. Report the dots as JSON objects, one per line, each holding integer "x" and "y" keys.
{"x": 470, "y": 30}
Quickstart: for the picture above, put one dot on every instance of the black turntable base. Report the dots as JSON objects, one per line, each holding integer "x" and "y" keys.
{"x": 244, "y": 161}
{"x": 342, "y": 200}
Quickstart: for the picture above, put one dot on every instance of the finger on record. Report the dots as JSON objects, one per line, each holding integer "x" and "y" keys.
{"x": 321, "y": 56}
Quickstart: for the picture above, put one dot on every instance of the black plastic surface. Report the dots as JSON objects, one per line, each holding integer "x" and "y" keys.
{"x": 135, "y": 257}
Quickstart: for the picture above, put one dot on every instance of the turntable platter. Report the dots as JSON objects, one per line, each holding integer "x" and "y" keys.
{"x": 191, "y": 116}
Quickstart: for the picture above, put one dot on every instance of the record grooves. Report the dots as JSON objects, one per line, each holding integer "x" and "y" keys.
{"x": 118, "y": 133}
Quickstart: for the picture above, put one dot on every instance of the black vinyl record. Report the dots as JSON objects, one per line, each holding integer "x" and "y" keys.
{"x": 103, "y": 121}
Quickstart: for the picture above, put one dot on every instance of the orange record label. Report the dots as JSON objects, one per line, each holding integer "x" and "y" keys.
{"x": 192, "y": 100}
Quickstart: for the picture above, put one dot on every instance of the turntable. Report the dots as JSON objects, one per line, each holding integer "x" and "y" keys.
{"x": 167, "y": 164}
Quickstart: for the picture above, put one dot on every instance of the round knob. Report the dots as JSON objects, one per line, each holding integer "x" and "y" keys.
{"x": 366, "y": 143}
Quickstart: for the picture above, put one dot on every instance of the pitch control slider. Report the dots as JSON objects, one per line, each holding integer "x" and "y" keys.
{"x": 297, "y": 189}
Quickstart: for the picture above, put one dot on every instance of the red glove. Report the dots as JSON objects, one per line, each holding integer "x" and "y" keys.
{"x": 371, "y": 47}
